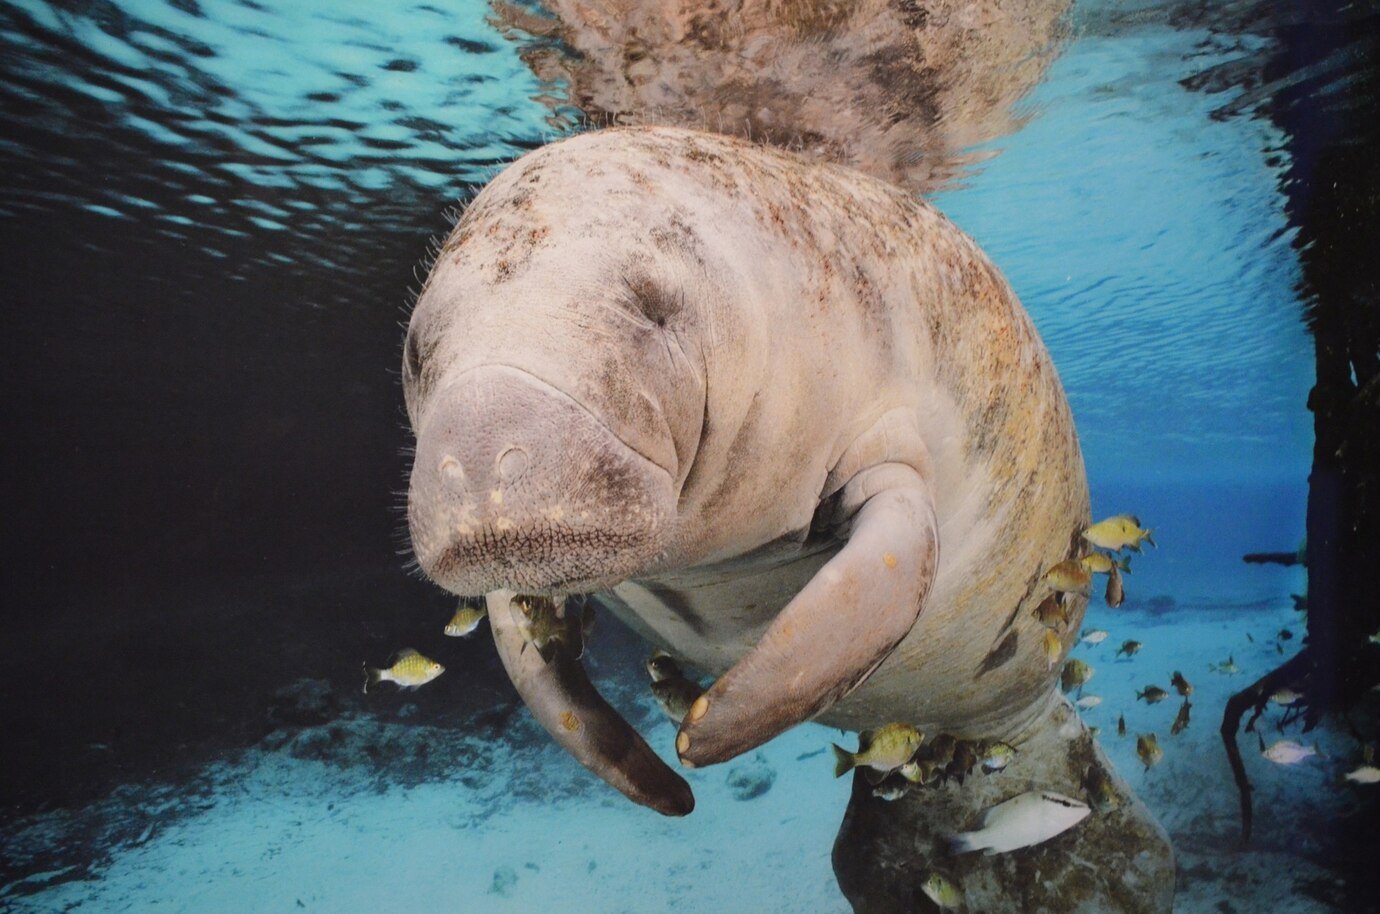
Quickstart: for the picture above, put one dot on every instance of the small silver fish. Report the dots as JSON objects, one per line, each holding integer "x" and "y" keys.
{"x": 893, "y": 788}
{"x": 1088, "y": 702}
{"x": 1094, "y": 636}
{"x": 1366, "y": 774}
{"x": 1228, "y": 668}
{"x": 1288, "y": 752}
{"x": 996, "y": 756}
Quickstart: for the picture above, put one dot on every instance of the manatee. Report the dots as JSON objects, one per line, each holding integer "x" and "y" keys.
{"x": 790, "y": 425}
{"x": 911, "y": 88}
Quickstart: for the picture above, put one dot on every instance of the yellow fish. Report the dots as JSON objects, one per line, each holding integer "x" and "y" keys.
{"x": 919, "y": 771}
{"x": 1069, "y": 577}
{"x": 544, "y": 626}
{"x": 1101, "y": 563}
{"x": 1148, "y": 748}
{"x": 1054, "y": 648}
{"x": 1051, "y": 612}
{"x": 466, "y": 619}
{"x": 945, "y": 895}
{"x": 1101, "y": 791}
{"x": 1075, "y": 673}
{"x": 410, "y": 671}
{"x": 884, "y": 749}
{"x": 1123, "y": 531}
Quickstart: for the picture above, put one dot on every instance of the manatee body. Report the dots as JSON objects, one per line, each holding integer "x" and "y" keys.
{"x": 786, "y": 420}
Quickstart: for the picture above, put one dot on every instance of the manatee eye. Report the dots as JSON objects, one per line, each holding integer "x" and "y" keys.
{"x": 656, "y": 303}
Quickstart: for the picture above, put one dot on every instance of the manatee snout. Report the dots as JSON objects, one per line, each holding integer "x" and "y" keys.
{"x": 517, "y": 485}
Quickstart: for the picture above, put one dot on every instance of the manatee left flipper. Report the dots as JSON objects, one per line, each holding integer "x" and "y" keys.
{"x": 833, "y": 635}
{"x": 563, "y": 700}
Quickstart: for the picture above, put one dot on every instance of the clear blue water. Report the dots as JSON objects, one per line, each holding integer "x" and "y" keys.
{"x": 213, "y": 211}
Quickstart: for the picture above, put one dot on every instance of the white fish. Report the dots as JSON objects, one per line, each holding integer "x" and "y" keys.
{"x": 1366, "y": 774}
{"x": 1021, "y": 821}
{"x": 1089, "y": 701}
{"x": 1288, "y": 752}
{"x": 1096, "y": 636}
{"x": 1285, "y": 697}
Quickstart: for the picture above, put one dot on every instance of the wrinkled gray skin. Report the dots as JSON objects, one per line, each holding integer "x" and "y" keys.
{"x": 786, "y": 420}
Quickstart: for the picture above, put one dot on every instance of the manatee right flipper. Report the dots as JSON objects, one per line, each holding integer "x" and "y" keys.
{"x": 835, "y": 632}
{"x": 566, "y": 704}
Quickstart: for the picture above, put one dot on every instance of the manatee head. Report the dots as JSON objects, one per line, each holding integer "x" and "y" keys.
{"x": 554, "y": 376}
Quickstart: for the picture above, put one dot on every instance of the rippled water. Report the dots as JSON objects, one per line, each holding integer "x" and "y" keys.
{"x": 1150, "y": 243}
{"x": 310, "y": 128}
{"x": 212, "y": 213}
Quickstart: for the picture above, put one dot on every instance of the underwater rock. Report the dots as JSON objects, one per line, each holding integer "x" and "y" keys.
{"x": 316, "y": 744}
{"x": 304, "y": 703}
{"x": 1117, "y": 861}
{"x": 504, "y": 881}
{"x": 751, "y": 779}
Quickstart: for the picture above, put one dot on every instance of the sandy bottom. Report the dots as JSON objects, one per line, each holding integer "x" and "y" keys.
{"x": 364, "y": 815}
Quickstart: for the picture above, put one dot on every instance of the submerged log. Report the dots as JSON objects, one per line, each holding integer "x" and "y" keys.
{"x": 1331, "y": 189}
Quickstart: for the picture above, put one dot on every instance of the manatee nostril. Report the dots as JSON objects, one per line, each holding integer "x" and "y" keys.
{"x": 512, "y": 463}
{"x": 451, "y": 471}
